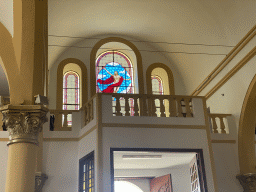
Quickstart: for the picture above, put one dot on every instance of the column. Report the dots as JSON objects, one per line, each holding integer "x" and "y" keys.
{"x": 23, "y": 122}
{"x": 248, "y": 181}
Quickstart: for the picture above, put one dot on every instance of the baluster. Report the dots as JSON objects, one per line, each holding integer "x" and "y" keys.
{"x": 214, "y": 125}
{"x": 153, "y": 99}
{"x": 179, "y": 107}
{"x": 144, "y": 106}
{"x": 136, "y": 106}
{"x": 58, "y": 121}
{"x": 150, "y": 112}
{"x": 188, "y": 110}
{"x": 118, "y": 108}
{"x": 65, "y": 123}
{"x": 222, "y": 125}
{"x": 172, "y": 107}
{"x": 162, "y": 109}
{"x": 127, "y": 107}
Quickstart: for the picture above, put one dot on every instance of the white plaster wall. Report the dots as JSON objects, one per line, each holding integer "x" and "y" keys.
{"x": 86, "y": 146}
{"x": 60, "y": 163}
{"x": 227, "y": 167}
{"x": 154, "y": 138}
{"x": 3, "y": 162}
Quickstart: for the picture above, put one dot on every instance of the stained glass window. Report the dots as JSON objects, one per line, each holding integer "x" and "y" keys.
{"x": 70, "y": 93}
{"x": 115, "y": 74}
{"x": 157, "y": 89}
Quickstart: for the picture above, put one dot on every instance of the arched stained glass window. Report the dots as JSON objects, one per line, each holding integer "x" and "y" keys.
{"x": 157, "y": 85}
{"x": 114, "y": 73}
{"x": 157, "y": 89}
{"x": 71, "y": 93}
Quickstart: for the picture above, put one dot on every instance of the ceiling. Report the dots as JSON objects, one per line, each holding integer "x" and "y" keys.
{"x": 168, "y": 160}
{"x": 208, "y": 22}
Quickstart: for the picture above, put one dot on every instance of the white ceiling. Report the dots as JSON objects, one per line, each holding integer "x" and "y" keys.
{"x": 174, "y": 21}
{"x": 168, "y": 160}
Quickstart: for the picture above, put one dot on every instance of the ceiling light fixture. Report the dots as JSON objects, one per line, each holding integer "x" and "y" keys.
{"x": 142, "y": 156}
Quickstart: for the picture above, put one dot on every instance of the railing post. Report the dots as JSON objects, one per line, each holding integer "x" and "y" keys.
{"x": 222, "y": 125}
{"x": 162, "y": 109}
{"x": 179, "y": 106}
{"x": 172, "y": 107}
{"x": 127, "y": 107}
{"x": 91, "y": 110}
{"x": 188, "y": 110}
{"x": 136, "y": 106}
{"x": 118, "y": 108}
{"x": 214, "y": 125}
{"x": 65, "y": 123}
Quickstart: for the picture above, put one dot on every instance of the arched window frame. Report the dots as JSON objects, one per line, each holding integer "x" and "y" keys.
{"x": 169, "y": 73}
{"x": 93, "y": 59}
{"x": 83, "y": 81}
{"x": 66, "y": 88}
{"x": 129, "y": 69}
{"x": 160, "y": 82}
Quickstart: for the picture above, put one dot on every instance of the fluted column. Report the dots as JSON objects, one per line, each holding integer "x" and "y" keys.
{"x": 23, "y": 122}
{"x": 248, "y": 181}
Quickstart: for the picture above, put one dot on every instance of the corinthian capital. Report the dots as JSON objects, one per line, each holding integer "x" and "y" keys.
{"x": 23, "y": 122}
{"x": 248, "y": 181}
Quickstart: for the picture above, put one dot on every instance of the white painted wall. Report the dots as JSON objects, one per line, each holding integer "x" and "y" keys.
{"x": 154, "y": 138}
{"x": 227, "y": 167}
{"x": 60, "y": 163}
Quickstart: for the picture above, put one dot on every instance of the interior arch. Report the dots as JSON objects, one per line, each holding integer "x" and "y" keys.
{"x": 94, "y": 55}
{"x": 61, "y": 69}
{"x": 246, "y": 132}
{"x": 169, "y": 73}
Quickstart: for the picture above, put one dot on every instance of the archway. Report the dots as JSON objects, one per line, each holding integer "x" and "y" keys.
{"x": 60, "y": 80}
{"x": 93, "y": 59}
{"x": 246, "y": 133}
{"x": 169, "y": 73}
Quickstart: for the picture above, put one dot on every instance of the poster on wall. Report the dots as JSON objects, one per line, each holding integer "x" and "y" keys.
{"x": 161, "y": 184}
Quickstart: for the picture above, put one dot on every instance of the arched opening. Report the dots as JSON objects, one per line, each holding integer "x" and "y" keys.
{"x": 246, "y": 133}
{"x": 116, "y": 44}
{"x": 162, "y": 71}
{"x": 77, "y": 66}
{"x": 125, "y": 186}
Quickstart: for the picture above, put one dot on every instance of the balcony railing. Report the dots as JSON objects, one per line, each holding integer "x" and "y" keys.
{"x": 218, "y": 124}
{"x": 151, "y": 105}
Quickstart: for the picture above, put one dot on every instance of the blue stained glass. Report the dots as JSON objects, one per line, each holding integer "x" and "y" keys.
{"x": 112, "y": 68}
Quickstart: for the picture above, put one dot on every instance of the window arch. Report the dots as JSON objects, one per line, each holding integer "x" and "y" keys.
{"x": 60, "y": 81}
{"x": 114, "y": 73}
{"x": 164, "y": 72}
{"x": 126, "y": 43}
{"x": 71, "y": 91}
{"x": 157, "y": 85}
